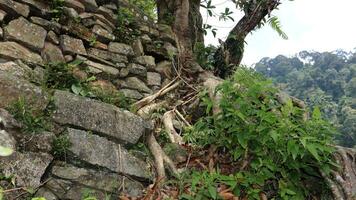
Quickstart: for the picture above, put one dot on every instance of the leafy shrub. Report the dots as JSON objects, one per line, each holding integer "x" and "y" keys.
{"x": 33, "y": 121}
{"x": 127, "y": 29}
{"x": 60, "y": 75}
{"x": 277, "y": 143}
{"x": 147, "y": 6}
{"x": 205, "y": 55}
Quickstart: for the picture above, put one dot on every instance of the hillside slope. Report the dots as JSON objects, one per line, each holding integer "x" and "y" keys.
{"x": 327, "y": 80}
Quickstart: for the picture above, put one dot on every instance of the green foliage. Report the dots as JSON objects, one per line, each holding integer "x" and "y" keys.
{"x": 276, "y": 25}
{"x": 325, "y": 80}
{"x": 127, "y": 29}
{"x": 33, "y": 120}
{"x": 147, "y": 6}
{"x": 111, "y": 97}
{"x": 57, "y": 8}
{"x": 280, "y": 145}
{"x": 61, "y": 146}
{"x": 60, "y": 75}
{"x": 205, "y": 55}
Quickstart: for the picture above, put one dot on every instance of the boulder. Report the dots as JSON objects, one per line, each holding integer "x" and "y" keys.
{"x": 121, "y": 48}
{"x": 98, "y": 117}
{"x": 12, "y": 88}
{"x": 27, "y": 168}
{"x": 72, "y": 46}
{"x": 30, "y": 35}
{"x": 14, "y": 7}
{"x": 14, "y": 51}
{"x": 100, "y": 151}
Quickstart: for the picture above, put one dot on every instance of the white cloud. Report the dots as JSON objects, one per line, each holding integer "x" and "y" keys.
{"x": 321, "y": 25}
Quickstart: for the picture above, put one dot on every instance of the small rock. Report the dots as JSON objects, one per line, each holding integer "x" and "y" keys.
{"x": 138, "y": 48}
{"x": 27, "y": 168}
{"x": 6, "y": 140}
{"x": 132, "y": 94}
{"x": 137, "y": 69}
{"x": 71, "y": 13}
{"x": 14, "y": 7}
{"x": 90, "y": 5}
{"x": 147, "y": 61}
{"x": 46, "y": 193}
{"x": 39, "y": 7}
{"x": 106, "y": 55}
{"x": 26, "y": 33}
{"x": 107, "y": 13}
{"x": 98, "y": 68}
{"x": 52, "y": 53}
{"x": 146, "y": 39}
{"x": 7, "y": 121}
{"x": 136, "y": 84}
{"x": 52, "y": 37}
{"x": 102, "y": 34}
{"x": 48, "y": 25}
{"x": 72, "y": 46}
{"x": 153, "y": 79}
{"x": 68, "y": 58}
{"x": 124, "y": 72}
{"x": 121, "y": 48}
{"x": 14, "y": 51}
{"x": 79, "y": 7}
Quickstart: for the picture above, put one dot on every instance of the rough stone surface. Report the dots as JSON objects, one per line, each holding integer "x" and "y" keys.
{"x": 39, "y": 7}
{"x": 90, "y": 5}
{"x": 2, "y": 15}
{"x": 6, "y": 140}
{"x": 102, "y": 34}
{"x": 13, "y": 51}
{"x": 99, "y": 117}
{"x": 153, "y": 79}
{"x": 97, "y": 68}
{"x": 132, "y": 94}
{"x": 27, "y": 168}
{"x": 14, "y": 7}
{"x": 72, "y": 46}
{"x": 147, "y": 61}
{"x": 12, "y": 88}
{"x": 7, "y": 121}
{"x": 26, "y": 33}
{"x": 121, "y": 48}
{"x": 106, "y": 55}
{"x": 107, "y": 13}
{"x": 46, "y": 193}
{"x": 71, "y": 13}
{"x": 136, "y": 84}
{"x": 106, "y": 181}
{"x": 52, "y": 53}
{"x": 137, "y": 69}
{"x": 79, "y": 7}
{"x": 99, "y": 151}
{"x": 19, "y": 71}
{"x": 138, "y": 48}
{"x": 48, "y": 25}
{"x": 52, "y": 37}
{"x": 41, "y": 142}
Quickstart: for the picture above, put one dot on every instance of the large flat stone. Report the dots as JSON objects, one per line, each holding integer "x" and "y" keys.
{"x": 39, "y": 7}
{"x": 106, "y": 55}
{"x": 99, "y": 117}
{"x": 27, "y": 168}
{"x": 26, "y": 33}
{"x": 14, "y": 51}
{"x": 136, "y": 84}
{"x": 101, "y": 180}
{"x": 12, "y": 88}
{"x": 72, "y": 46}
{"x": 102, "y": 34}
{"x": 97, "y": 68}
{"x": 48, "y": 25}
{"x": 99, "y": 151}
{"x": 121, "y": 48}
{"x": 14, "y": 7}
{"x": 90, "y": 5}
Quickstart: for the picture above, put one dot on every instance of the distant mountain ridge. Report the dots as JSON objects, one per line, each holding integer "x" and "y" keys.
{"x": 324, "y": 79}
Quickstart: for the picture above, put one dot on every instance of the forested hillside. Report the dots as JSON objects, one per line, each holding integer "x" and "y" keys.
{"x": 327, "y": 80}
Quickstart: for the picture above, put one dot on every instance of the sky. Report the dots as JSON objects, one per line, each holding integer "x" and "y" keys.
{"x": 319, "y": 25}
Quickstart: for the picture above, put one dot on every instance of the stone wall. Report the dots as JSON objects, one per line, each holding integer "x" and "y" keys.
{"x": 98, "y": 162}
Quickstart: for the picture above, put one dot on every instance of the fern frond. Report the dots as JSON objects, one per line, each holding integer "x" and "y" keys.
{"x": 276, "y": 25}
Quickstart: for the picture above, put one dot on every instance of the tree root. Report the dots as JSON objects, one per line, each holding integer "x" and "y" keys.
{"x": 167, "y": 119}
{"x": 343, "y": 182}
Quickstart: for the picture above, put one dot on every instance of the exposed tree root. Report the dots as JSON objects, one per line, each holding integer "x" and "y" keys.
{"x": 167, "y": 119}
{"x": 343, "y": 181}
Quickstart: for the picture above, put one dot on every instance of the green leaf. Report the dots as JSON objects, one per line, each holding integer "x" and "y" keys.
{"x": 76, "y": 89}
{"x": 312, "y": 149}
{"x": 1, "y": 193}
{"x": 5, "y": 151}
{"x": 316, "y": 113}
{"x": 293, "y": 148}
{"x": 212, "y": 192}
